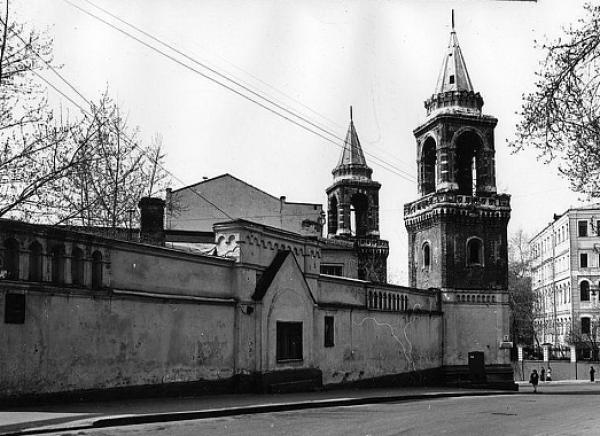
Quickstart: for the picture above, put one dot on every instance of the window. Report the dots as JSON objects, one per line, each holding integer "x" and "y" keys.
{"x": 14, "y": 309}
{"x": 426, "y": 255}
{"x": 96, "y": 270}
{"x": 585, "y": 326}
{"x": 582, "y": 228}
{"x": 474, "y": 251}
{"x": 329, "y": 331}
{"x": 584, "y": 291}
{"x": 77, "y": 266}
{"x": 451, "y": 79}
{"x": 58, "y": 264}
{"x": 332, "y": 270}
{"x": 583, "y": 263}
{"x": 9, "y": 269}
{"x": 35, "y": 262}
{"x": 598, "y": 228}
{"x": 289, "y": 341}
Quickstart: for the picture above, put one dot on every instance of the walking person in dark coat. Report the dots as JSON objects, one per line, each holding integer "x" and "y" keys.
{"x": 592, "y": 371}
{"x": 534, "y": 379}
{"x": 543, "y": 374}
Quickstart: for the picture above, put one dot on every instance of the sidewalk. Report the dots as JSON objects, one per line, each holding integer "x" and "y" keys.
{"x": 78, "y": 416}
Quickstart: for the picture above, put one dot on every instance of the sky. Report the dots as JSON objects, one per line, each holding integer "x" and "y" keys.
{"x": 315, "y": 58}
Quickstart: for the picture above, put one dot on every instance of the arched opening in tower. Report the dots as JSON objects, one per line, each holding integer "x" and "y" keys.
{"x": 359, "y": 215}
{"x": 428, "y": 167}
{"x": 468, "y": 152}
{"x": 332, "y": 212}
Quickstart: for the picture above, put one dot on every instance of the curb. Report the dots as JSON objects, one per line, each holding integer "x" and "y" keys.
{"x": 125, "y": 420}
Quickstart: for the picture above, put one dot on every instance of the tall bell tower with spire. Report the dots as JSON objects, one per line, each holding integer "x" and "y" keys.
{"x": 457, "y": 228}
{"x": 353, "y": 209}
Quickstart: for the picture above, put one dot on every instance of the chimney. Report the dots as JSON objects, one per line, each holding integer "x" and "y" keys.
{"x": 152, "y": 218}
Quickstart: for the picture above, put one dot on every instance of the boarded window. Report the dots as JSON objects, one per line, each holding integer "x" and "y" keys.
{"x": 583, "y": 228}
{"x": 585, "y": 326}
{"x": 14, "y": 309}
{"x": 329, "y": 331}
{"x": 289, "y": 341}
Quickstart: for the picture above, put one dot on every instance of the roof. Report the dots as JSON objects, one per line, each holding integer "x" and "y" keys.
{"x": 352, "y": 153}
{"x": 588, "y": 207}
{"x": 453, "y": 75}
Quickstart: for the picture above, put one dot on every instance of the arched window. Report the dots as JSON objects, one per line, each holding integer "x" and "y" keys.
{"x": 474, "y": 251}
{"x": 426, "y": 255}
{"x": 96, "y": 270}
{"x": 77, "y": 266}
{"x": 359, "y": 215}
{"x": 428, "y": 167}
{"x": 35, "y": 262}
{"x": 10, "y": 264}
{"x": 332, "y": 214}
{"x": 468, "y": 151}
{"x": 584, "y": 291}
{"x": 58, "y": 264}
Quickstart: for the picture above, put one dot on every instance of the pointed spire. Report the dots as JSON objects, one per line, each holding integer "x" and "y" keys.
{"x": 352, "y": 161}
{"x": 453, "y": 75}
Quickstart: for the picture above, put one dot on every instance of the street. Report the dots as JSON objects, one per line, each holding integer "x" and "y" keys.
{"x": 552, "y": 412}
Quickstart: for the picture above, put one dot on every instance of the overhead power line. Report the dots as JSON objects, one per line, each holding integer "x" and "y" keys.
{"x": 378, "y": 161}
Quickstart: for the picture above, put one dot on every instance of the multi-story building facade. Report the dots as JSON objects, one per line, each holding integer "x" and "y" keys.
{"x": 565, "y": 280}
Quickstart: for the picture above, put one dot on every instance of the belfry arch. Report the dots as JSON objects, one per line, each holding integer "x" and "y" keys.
{"x": 428, "y": 166}
{"x": 469, "y": 162}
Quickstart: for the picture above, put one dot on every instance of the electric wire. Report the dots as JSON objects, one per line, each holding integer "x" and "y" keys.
{"x": 224, "y": 76}
{"x": 380, "y": 162}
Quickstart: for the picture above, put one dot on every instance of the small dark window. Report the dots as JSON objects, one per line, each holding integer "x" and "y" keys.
{"x": 451, "y": 79}
{"x": 77, "y": 266}
{"x": 475, "y": 252}
{"x": 35, "y": 262}
{"x": 583, "y": 228}
{"x": 598, "y": 228}
{"x": 583, "y": 263}
{"x": 96, "y": 270}
{"x": 585, "y": 326}
{"x": 329, "y": 331}
{"x": 426, "y": 255}
{"x": 332, "y": 270}
{"x": 10, "y": 268}
{"x": 584, "y": 291}
{"x": 58, "y": 264}
{"x": 14, "y": 309}
{"x": 289, "y": 341}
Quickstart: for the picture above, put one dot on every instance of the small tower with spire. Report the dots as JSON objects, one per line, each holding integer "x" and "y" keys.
{"x": 457, "y": 228}
{"x": 353, "y": 208}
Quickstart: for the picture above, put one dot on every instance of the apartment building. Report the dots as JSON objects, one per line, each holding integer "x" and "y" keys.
{"x": 566, "y": 280}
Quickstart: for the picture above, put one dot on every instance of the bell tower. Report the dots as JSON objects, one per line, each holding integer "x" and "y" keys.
{"x": 353, "y": 209}
{"x": 457, "y": 227}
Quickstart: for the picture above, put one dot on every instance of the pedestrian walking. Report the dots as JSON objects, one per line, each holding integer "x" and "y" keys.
{"x": 543, "y": 374}
{"x": 549, "y": 375}
{"x": 592, "y": 371}
{"x": 533, "y": 379}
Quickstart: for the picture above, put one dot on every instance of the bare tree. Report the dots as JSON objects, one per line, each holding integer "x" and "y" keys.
{"x": 116, "y": 171}
{"x": 561, "y": 117}
{"x": 521, "y": 296}
{"x": 35, "y": 156}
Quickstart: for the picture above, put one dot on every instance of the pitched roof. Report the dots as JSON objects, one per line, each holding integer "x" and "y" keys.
{"x": 453, "y": 75}
{"x": 352, "y": 153}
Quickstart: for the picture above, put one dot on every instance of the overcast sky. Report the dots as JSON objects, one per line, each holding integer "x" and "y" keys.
{"x": 317, "y": 58}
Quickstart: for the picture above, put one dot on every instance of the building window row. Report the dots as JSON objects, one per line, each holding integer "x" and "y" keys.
{"x": 332, "y": 269}
{"x": 54, "y": 261}
{"x": 378, "y": 300}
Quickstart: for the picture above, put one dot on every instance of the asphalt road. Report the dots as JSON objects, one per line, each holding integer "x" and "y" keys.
{"x": 522, "y": 414}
